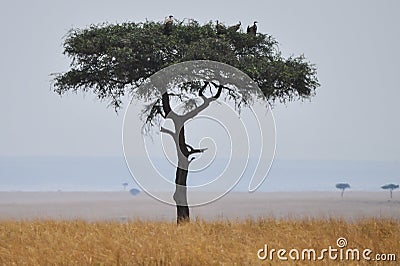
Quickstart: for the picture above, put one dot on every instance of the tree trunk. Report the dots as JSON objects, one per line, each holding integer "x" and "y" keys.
{"x": 342, "y": 193}
{"x": 391, "y": 194}
{"x": 180, "y": 195}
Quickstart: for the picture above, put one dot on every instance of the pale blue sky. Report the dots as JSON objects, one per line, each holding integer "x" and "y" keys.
{"x": 353, "y": 43}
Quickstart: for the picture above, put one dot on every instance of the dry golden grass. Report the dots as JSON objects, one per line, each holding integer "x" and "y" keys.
{"x": 195, "y": 243}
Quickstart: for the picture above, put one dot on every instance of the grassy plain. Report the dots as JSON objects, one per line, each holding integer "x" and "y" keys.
{"x": 78, "y": 242}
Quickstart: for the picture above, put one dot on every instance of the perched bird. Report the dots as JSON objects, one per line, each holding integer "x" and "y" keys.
{"x": 235, "y": 27}
{"x": 253, "y": 29}
{"x": 168, "y": 23}
{"x": 221, "y": 29}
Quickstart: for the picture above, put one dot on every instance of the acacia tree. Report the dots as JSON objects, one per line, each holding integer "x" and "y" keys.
{"x": 342, "y": 186}
{"x": 390, "y": 187}
{"x": 113, "y": 60}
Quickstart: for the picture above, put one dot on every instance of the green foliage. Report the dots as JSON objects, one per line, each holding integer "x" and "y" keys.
{"x": 111, "y": 60}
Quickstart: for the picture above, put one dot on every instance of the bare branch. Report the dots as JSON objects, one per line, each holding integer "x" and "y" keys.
{"x": 191, "y": 159}
{"x": 197, "y": 151}
{"x": 216, "y": 96}
{"x": 194, "y": 112}
{"x": 206, "y": 83}
{"x": 206, "y": 101}
{"x": 166, "y": 106}
{"x": 190, "y": 147}
{"x": 220, "y": 88}
{"x": 165, "y": 103}
{"x": 167, "y": 131}
{"x": 193, "y": 151}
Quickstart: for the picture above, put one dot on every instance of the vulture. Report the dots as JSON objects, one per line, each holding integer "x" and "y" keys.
{"x": 221, "y": 29}
{"x": 168, "y": 22}
{"x": 253, "y": 29}
{"x": 235, "y": 27}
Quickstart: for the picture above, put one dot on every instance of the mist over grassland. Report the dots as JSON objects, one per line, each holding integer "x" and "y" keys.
{"x": 108, "y": 174}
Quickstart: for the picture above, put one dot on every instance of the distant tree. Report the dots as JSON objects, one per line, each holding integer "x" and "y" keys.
{"x": 113, "y": 60}
{"x": 125, "y": 185}
{"x": 134, "y": 191}
{"x": 342, "y": 186}
{"x": 391, "y": 187}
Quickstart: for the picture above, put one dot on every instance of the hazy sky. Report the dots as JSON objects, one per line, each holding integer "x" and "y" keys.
{"x": 355, "y": 45}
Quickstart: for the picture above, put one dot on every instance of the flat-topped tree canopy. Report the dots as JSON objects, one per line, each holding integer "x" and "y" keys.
{"x": 114, "y": 59}
{"x": 390, "y": 186}
{"x": 342, "y": 185}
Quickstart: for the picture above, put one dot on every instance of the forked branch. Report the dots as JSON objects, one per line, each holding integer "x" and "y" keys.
{"x": 193, "y": 151}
